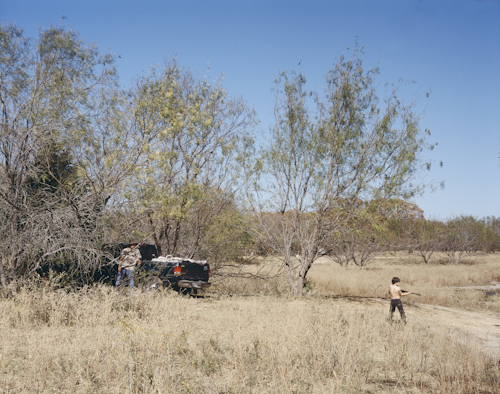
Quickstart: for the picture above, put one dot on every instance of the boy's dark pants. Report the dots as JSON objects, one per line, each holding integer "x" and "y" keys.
{"x": 399, "y": 305}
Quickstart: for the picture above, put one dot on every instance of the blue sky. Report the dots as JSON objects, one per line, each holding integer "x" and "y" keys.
{"x": 449, "y": 46}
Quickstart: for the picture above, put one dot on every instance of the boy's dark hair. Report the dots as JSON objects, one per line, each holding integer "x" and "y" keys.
{"x": 395, "y": 280}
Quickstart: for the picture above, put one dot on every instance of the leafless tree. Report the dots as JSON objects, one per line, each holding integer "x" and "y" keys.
{"x": 424, "y": 237}
{"x": 356, "y": 245}
{"x": 463, "y": 236}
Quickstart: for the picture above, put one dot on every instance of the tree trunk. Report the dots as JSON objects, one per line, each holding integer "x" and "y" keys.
{"x": 157, "y": 244}
{"x": 298, "y": 286}
{"x": 3, "y": 278}
{"x": 296, "y": 280}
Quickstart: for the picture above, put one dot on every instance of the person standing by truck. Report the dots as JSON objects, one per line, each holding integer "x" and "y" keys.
{"x": 129, "y": 258}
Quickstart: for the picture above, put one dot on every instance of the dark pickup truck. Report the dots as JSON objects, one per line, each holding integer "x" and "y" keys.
{"x": 181, "y": 274}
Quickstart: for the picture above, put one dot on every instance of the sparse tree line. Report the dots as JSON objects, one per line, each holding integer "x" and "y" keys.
{"x": 175, "y": 161}
{"x": 427, "y": 239}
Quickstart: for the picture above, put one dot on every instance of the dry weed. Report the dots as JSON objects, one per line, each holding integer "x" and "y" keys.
{"x": 437, "y": 284}
{"x": 103, "y": 341}
{"x": 443, "y": 285}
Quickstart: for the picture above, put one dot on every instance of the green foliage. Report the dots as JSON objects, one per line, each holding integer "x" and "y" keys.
{"x": 83, "y": 163}
{"x": 56, "y": 93}
{"x": 191, "y": 131}
{"x": 53, "y": 169}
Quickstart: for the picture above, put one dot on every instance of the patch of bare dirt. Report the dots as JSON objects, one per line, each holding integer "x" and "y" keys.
{"x": 493, "y": 287}
{"x": 479, "y": 328}
{"x": 482, "y": 328}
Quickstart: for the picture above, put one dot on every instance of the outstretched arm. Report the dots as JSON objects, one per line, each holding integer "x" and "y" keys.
{"x": 409, "y": 292}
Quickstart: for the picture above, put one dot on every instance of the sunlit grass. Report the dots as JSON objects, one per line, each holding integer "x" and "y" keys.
{"x": 102, "y": 341}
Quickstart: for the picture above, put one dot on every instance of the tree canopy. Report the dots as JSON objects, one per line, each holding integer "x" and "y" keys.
{"x": 173, "y": 161}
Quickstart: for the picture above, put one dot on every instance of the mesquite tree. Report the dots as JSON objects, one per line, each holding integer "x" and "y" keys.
{"x": 192, "y": 131}
{"x": 62, "y": 150}
{"x": 320, "y": 162}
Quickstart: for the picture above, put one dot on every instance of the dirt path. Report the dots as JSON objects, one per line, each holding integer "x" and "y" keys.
{"x": 493, "y": 287}
{"x": 481, "y": 328}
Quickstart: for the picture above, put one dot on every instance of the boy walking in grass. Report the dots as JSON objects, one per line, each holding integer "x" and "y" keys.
{"x": 396, "y": 294}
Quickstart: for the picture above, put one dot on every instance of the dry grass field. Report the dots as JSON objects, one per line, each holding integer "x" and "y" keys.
{"x": 438, "y": 284}
{"x": 252, "y": 336}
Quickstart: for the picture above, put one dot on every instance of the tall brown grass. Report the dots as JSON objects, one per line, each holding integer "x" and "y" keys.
{"x": 438, "y": 284}
{"x": 101, "y": 341}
